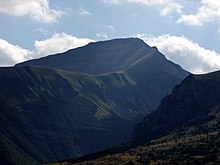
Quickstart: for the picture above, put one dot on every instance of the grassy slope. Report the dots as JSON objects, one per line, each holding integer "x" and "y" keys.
{"x": 44, "y": 130}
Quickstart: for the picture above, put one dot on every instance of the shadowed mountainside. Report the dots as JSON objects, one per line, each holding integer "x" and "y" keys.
{"x": 197, "y": 97}
{"x": 190, "y": 120}
{"x": 49, "y": 114}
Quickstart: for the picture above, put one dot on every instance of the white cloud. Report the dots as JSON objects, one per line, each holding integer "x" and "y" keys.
{"x": 38, "y": 10}
{"x": 59, "y": 42}
{"x": 144, "y": 2}
{"x": 170, "y": 8}
{"x": 84, "y": 12}
{"x": 185, "y": 52}
{"x": 207, "y": 12}
{"x": 166, "y": 6}
{"x": 102, "y": 35}
{"x": 11, "y": 54}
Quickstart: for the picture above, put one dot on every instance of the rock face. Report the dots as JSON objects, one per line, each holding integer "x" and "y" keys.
{"x": 195, "y": 102}
{"x": 49, "y": 114}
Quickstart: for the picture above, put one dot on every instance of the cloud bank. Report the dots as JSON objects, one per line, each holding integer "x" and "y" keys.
{"x": 11, "y": 54}
{"x": 185, "y": 52}
{"x": 38, "y": 10}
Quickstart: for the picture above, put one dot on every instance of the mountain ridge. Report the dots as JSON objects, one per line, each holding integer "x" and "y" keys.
{"x": 114, "y": 55}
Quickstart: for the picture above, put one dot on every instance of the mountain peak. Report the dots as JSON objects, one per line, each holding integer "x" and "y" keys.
{"x": 122, "y": 40}
{"x": 114, "y": 55}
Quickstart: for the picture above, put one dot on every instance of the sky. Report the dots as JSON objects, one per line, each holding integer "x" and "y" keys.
{"x": 187, "y": 32}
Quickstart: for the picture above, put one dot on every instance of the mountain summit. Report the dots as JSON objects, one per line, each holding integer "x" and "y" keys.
{"x": 97, "y": 57}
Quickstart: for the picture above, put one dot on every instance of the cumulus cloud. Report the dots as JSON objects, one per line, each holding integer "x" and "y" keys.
{"x": 166, "y": 6}
{"x": 38, "y": 10}
{"x": 207, "y": 12}
{"x": 59, "y": 42}
{"x": 170, "y": 8}
{"x": 11, "y": 54}
{"x": 185, "y": 52}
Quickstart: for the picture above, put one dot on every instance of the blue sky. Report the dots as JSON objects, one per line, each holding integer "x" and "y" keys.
{"x": 187, "y": 32}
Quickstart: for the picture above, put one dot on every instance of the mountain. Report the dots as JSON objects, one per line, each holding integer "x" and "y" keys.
{"x": 49, "y": 114}
{"x": 130, "y": 55}
{"x": 184, "y": 129}
{"x": 195, "y": 100}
